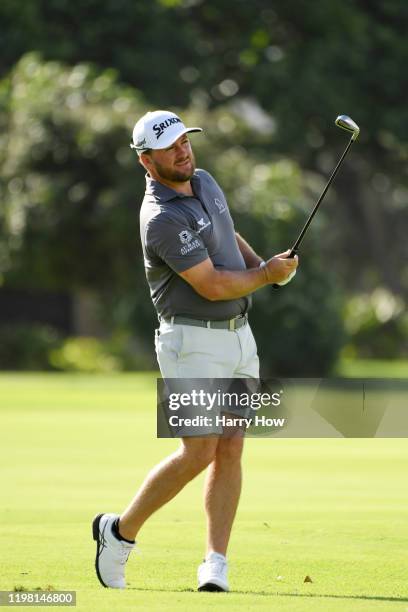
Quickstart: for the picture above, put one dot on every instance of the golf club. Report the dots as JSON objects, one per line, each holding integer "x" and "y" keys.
{"x": 345, "y": 123}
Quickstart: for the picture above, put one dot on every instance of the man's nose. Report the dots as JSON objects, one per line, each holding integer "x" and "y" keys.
{"x": 180, "y": 149}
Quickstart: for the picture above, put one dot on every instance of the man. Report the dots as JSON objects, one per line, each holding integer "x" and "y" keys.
{"x": 200, "y": 273}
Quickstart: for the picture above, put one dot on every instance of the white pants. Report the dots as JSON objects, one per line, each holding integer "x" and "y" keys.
{"x": 186, "y": 351}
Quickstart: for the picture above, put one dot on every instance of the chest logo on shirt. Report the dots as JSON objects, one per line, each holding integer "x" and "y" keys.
{"x": 220, "y": 205}
{"x": 202, "y": 225}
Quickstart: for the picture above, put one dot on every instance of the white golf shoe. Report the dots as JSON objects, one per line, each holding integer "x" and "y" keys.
{"x": 213, "y": 573}
{"x": 111, "y": 553}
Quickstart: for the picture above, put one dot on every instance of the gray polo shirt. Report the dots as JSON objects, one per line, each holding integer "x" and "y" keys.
{"x": 178, "y": 232}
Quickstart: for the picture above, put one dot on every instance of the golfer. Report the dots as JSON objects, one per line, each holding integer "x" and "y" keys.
{"x": 201, "y": 273}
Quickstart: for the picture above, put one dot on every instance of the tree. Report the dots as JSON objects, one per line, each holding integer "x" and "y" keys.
{"x": 300, "y": 63}
{"x": 72, "y": 187}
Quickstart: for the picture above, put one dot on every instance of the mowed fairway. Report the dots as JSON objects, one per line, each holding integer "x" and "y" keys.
{"x": 71, "y": 446}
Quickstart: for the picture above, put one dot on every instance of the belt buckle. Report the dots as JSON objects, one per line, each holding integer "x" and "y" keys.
{"x": 231, "y": 325}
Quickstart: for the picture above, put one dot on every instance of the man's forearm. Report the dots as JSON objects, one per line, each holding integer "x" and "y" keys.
{"x": 214, "y": 284}
{"x": 252, "y": 260}
{"x": 231, "y": 285}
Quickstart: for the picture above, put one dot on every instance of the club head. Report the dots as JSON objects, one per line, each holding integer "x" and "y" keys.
{"x": 346, "y": 123}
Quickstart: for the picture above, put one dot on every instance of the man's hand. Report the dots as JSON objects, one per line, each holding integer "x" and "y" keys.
{"x": 280, "y": 269}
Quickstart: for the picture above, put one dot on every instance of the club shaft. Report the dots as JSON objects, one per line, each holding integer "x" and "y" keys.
{"x": 319, "y": 201}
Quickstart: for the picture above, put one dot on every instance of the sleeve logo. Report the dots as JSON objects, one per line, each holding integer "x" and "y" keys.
{"x": 220, "y": 205}
{"x": 185, "y": 237}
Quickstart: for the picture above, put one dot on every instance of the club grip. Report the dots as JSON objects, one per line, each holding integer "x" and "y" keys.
{"x": 290, "y": 256}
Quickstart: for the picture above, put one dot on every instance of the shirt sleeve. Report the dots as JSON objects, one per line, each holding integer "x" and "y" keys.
{"x": 176, "y": 243}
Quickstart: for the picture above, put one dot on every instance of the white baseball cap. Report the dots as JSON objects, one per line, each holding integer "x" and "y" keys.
{"x": 158, "y": 130}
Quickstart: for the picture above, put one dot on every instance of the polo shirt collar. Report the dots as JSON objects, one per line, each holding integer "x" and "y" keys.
{"x": 165, "y": 194}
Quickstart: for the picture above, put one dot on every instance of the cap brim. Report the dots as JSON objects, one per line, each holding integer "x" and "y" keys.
{"x": 173, "y": 136}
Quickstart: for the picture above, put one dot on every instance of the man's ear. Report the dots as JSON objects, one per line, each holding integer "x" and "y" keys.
{"x": 145, "y": 160}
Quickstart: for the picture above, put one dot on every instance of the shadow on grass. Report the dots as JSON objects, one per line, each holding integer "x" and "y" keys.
{"x": 266, "y": 594}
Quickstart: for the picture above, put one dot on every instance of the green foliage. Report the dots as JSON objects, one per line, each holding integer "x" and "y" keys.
{"x": 135, "y": 38}
{"x": 27, "y": 347}
{"x": 378, "y": 326}
{"x": 299, "y": 329}
{"x": 87, "y": 354}
{"x": 83, "y": 355}
{"x": 72, "y": 186}
{"x": 318, "y": 54}
{"x": 266, "y": 82}
{"x": 68, "y": 138}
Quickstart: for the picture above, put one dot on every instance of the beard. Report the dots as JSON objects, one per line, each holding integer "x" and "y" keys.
{"x": 173, "y": 174}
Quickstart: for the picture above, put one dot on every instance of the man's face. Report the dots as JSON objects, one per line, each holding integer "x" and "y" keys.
{"x": 175, "y": 163}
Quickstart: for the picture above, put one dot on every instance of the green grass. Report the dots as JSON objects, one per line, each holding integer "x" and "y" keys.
{"x": 72, "y": 446}
{"x": 372, "y": 368}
